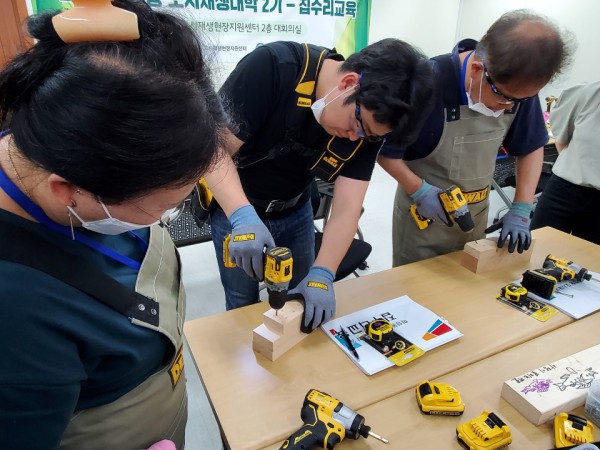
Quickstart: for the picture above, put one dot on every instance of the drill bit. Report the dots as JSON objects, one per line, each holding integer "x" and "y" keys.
{"x": 567, "y": 295}
{"x": 379, "y": 438}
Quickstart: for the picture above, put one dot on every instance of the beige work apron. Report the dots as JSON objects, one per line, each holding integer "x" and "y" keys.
{"x": 157, "y": 408}
{"x": 466, "y": 157}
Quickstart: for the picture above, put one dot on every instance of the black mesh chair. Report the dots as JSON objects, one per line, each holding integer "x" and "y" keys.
{"x": 505, "y": 175}
{"x": 184, "y": 231}
{"x": 359, "y": 250}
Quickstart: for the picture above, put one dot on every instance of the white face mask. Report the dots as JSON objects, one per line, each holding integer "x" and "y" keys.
{"x": 319, "y": 105}
{"x": 110, "y": 225}
{"x": 480, "y": 107}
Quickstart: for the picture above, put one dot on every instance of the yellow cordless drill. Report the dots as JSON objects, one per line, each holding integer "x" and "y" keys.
{"x": 544, "y": 281}
{"x": 278, "y": 263}
{"x": 326, "y": 423}
{"x": 455, "y": 206}
{"x": 565, "y": 269}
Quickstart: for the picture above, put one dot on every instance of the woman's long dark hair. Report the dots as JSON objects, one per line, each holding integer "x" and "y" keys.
{"x": 118, "y": 119}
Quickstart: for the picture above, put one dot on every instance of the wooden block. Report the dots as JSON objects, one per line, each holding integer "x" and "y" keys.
{"x": 279, "y": 332}
{"x": 557, "y": 387}
{"x": 484, "y": 254}
{"x": 285, "y": 320}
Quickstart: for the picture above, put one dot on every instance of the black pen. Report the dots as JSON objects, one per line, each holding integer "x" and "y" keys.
{"x": 349, "y": 342}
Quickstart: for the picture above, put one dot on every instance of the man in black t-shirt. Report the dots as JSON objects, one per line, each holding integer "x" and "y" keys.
{"x": 302, "y": 110}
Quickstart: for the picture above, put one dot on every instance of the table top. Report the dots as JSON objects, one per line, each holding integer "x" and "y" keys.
{"x": 257, "y": 402}
{"x": 400, "y": 420}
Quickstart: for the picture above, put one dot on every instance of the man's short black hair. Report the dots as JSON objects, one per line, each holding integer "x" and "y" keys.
{"x": 396, "y": 85}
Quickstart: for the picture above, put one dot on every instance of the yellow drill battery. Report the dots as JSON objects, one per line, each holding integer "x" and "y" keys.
{"x": 570, "y": 429}
{"x": 439, "y": 399}
{"x": 486, "y": 432}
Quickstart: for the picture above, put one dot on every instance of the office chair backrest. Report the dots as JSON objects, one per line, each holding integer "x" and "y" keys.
{"x": 357, "y": 254}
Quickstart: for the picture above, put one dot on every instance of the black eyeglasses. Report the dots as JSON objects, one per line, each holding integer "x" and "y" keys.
{"x": 497, "y": 91}
{"x": 361, "y": 131}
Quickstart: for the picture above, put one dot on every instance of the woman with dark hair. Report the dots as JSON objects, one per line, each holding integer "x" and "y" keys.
{"x": 103, "y": 137}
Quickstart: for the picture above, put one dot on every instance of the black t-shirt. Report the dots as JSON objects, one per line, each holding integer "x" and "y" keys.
{"x": 526, "y": 134}
{"x": 261, "y": 95}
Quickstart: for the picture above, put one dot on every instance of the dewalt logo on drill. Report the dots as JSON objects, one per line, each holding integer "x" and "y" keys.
{"x": 243, "y": 237}
{"x": 316, "y": 284}
{"x": 302, "y": 436}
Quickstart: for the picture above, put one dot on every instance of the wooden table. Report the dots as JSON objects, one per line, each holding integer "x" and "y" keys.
{"x": 400, "y": 420}
{"x": 257, "y": 402}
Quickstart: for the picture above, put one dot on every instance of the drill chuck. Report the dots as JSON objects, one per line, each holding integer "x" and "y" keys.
{"x": 277, "y": 299}
{"x": 462, "y": 217}
{"x": 353, "y": 423}
{"x": 456, "y": 208}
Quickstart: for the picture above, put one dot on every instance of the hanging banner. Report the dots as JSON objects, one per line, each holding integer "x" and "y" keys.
{"x": 235, "y": 27}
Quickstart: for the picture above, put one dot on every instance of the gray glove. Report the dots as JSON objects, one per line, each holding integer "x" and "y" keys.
{"x": 515, "y": 223}
{"x": 249, "y": 237}
{"x": 429, "y": 204}
{"x": 316, "y": 289}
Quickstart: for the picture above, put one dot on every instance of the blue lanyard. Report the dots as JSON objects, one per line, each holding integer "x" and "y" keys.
{"x": 463, "y": 74}
{"x": 38, "y": 214}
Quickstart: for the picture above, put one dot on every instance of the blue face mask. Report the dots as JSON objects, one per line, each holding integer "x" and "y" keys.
{"x": 110, "y": 225}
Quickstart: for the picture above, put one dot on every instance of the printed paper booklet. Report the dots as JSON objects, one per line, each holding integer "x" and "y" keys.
{"x": 412, "y": 321}
{"x": 575, "y": 298}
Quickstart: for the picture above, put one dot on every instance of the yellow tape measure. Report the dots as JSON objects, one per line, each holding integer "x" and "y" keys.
{"x": 380, "y": 330}
{"x": 514, "y": 292}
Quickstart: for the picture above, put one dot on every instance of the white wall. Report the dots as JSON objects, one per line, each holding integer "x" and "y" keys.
{"x": 436, "y": 25}
{"x": 427, "y": 24}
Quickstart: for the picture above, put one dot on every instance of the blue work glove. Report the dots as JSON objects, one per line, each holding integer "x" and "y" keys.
{"x": 515, "y": 223}
{"x": 428, "y": 203}
{"x": 249, "y": 237}
{"x": 316, "y": 289}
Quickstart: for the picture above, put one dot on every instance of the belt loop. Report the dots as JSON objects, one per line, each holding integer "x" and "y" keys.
{"x": 275, "y": 206}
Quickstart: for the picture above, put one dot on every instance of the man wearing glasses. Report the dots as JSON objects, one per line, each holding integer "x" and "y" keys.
{"x": 486, "y": 97}
{"x": 302, "y": 111}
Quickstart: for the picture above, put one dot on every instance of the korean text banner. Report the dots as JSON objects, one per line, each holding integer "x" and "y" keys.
{"x": 235, "y": 27}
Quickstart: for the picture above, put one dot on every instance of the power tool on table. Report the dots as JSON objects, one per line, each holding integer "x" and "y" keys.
{"x": 455, "y": 206}
{"x": 569, "y": 270}
{"x": 278, "y": 263}
{"x": 543, "y": 281}
{"x": 327, "y": 422}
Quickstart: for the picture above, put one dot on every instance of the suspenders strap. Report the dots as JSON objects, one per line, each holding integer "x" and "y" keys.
{"x": 24, "y": 247}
